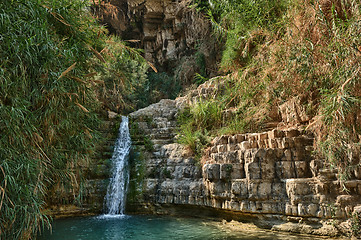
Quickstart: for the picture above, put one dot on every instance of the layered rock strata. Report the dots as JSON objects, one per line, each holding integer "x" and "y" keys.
{"x": 84, "y": 193}
{"x": 176, "y": 39}
{"x": 270, "y": 175}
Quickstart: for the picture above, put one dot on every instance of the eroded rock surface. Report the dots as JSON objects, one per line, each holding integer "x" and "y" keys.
{"x": 84, "y": 195}
{"x": 269, "y": 175}
{"x": 176, "y": 39}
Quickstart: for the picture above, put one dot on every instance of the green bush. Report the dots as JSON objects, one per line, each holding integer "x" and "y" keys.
{"x": 356, "y": 224}
{"x": 236, "y": 20}
{"x": 123, "y": 78}
{"x": 208, "y": 118}
{"x": 50, "y": 52}
{"x": 315, "y": 56}
{"x": 162, "y": 85}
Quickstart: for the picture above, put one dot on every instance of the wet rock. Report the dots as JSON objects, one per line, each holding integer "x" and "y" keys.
{"x": 259, "y": 173}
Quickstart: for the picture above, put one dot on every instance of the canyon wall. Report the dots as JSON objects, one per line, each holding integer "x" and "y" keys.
{"x": 84, "y": 193}
{"x": 270, "y": 177}
{"x": 175, "y": 38}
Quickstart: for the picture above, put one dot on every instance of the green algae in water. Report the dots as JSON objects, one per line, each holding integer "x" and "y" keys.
{"x": 151, "y": 228}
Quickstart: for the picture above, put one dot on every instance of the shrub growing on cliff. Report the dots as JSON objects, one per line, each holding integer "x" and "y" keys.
{"x": 123, "y": 77}
{"x": 237, "y": 21}
{"x": 50, "y": 52}
{"x": 328, "y": 66}
{"x": 315, "y": 57}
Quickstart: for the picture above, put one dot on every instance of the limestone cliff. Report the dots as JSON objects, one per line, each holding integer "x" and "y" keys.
{"x": 176, "y": 39}
{"x": 270, "y": 176}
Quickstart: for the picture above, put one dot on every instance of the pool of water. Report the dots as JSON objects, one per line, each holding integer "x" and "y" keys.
{"x": 153, "y": 227}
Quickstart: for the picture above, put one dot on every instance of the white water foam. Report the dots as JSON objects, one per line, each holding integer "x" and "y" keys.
{"x": 112, "y": 216}
{"x": 117, "y": 188}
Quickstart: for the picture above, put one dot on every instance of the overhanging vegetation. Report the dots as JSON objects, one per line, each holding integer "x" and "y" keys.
{"x": 57, "y": 68}
{"x": 278, "y": 50}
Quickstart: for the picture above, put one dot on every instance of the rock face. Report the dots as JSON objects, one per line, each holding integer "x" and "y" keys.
{"x": 175, "y": 38}
{"x": 84, "y": 195}
{"x": 171, "y": 175}
{"x": 270, "y": 175}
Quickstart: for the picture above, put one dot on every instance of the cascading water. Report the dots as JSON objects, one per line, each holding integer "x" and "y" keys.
{"x": 117, "y": 188}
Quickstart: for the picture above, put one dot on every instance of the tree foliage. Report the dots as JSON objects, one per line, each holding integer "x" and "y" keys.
{"x": 54, "y": 59}
{"x": 278, "y": 50}
{"x": 234, "y": 20}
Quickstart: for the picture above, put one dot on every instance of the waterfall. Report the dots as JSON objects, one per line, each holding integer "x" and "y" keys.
{"x": 117, "y": 188}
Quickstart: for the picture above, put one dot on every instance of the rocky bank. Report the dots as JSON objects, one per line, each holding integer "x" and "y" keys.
{"x": 270, "y": 178}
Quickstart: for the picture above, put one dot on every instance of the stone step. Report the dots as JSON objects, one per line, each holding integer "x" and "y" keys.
{"x": 162, "y": 136}
{"x": 295, "y": 134}
{"x": 160, "y": 143}
{"x": 300, "y": 142}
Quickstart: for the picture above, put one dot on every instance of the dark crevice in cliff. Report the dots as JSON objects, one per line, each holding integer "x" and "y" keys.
{"x": 176, "y": 39}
